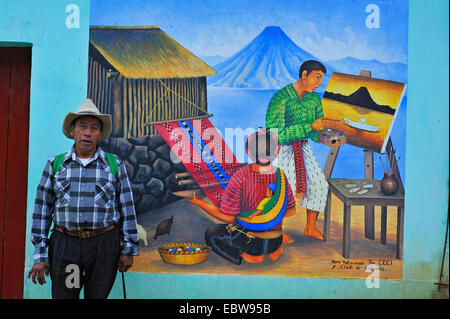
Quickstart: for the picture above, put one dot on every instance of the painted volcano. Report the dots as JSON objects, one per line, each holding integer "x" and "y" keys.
{"x": 271, "y": 61}
{"x": 360, "y": 97}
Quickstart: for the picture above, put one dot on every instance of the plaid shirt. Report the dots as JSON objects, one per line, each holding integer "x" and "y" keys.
{"x": 83, "y": 198}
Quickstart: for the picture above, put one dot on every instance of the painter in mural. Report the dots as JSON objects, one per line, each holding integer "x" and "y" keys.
{"x": 185, "y": 93}
{"x": 296, "y": 112}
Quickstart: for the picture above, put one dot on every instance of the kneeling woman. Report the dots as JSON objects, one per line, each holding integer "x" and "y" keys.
{"x": 252, "y": 232}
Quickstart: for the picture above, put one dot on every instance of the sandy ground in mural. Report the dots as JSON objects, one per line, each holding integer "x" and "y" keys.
{"x": 306, "y": 257}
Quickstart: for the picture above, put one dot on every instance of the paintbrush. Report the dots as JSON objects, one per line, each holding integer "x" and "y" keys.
{"x": 387, "y": 163}
{"x": 388, "y": 159}
{"x": 396, "y": 163}
{"x": 382, "y": 164}
{"x": 392, "y": 159}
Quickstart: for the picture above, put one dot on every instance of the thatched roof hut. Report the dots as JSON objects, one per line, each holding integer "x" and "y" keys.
{"x": 140, "y": 75}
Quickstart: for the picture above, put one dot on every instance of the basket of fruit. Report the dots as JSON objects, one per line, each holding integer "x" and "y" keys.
{"x": 183, "y": 253}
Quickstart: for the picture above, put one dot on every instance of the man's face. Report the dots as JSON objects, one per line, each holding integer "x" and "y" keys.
{"x": 86, "y": 132}
{"x": 313, "y": 80}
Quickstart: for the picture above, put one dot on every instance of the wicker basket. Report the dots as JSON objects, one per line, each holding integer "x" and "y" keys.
{"x": 183, "y": 257}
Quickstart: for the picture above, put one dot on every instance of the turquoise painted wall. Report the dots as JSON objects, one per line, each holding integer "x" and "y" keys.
{"x": 58, "y": 85}
{"x": 427, "y": 164}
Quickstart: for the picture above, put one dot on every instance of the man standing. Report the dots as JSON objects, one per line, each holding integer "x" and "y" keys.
{"x": 296, "y": 112}
{"x": 87, "y": 195}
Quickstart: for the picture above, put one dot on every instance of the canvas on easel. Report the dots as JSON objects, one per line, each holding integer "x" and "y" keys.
{"x": 363, "y": 108}
{"x": 370, "y": 137}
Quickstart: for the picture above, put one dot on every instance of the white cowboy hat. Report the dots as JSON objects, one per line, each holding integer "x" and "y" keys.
{"x": 88, "y": 108}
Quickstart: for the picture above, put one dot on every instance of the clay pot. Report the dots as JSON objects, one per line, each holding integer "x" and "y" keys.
{"x": 389, "y": 184}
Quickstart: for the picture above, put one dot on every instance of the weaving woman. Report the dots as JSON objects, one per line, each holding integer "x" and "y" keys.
{"x": 251, "y": 234}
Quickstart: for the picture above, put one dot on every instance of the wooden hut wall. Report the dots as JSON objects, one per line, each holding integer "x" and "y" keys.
{"x": 149, "y": 100}
{"x": 145, "y": 100}
{"x": 100, "y": 87}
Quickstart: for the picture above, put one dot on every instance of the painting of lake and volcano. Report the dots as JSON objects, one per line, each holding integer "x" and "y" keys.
{"x": 363, "y": 108}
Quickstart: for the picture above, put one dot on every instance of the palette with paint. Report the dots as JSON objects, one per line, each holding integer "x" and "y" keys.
{"x": 332, "y": 137}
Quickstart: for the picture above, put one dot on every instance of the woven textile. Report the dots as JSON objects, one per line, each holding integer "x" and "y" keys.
{"x": 203, "y": 152}
{"x": 273, "y": 212}
{"x": 300, "y": 170}
{"x": 316, "y": 197}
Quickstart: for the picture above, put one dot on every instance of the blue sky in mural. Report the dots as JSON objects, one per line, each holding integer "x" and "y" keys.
{"x": 328, "y": 29}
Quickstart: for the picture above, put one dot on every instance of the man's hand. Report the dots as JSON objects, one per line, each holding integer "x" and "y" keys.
{"x": 125, "y": 262}
{"x": 318, "y": 124}
{"x": 323, "y": 123}
{"x": 39, "y": 271}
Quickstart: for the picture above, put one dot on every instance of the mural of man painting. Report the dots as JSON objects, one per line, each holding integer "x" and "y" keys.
{"x": 296, "y": 112}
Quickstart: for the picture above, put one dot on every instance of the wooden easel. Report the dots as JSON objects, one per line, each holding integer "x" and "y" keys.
{"x": 369, "y": 211}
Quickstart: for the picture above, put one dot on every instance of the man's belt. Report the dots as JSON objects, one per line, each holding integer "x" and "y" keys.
{"x": 300, "y": 169}
{"x": 84, "y": 233}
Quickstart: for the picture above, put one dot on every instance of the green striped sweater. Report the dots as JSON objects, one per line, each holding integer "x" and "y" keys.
{"x": 293, "y": 116}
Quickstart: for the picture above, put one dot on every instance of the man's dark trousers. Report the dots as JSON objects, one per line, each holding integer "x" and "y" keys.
{"x": 97, "y": 258}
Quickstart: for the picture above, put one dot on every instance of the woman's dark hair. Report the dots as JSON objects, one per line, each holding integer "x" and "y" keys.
{"x": 262, "y": 144}
{"x": 311, "y": 65}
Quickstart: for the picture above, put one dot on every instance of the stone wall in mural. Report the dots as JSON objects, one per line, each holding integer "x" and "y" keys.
{"x": 150, "y": 170}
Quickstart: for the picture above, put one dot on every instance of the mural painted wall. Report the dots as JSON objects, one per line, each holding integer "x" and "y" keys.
{"x": 204, "y": 86}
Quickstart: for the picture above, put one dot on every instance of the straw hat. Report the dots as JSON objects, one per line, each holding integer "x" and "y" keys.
{"x": 88, "y": 108}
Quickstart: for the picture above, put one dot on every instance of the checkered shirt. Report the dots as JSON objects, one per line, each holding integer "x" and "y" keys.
{"x": 83, "y": 198}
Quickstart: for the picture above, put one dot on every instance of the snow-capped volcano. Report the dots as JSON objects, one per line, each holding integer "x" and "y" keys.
{"x": 271, "y": 61}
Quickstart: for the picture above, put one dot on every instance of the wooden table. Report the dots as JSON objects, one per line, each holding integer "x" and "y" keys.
{"x": 374, "y": 197}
